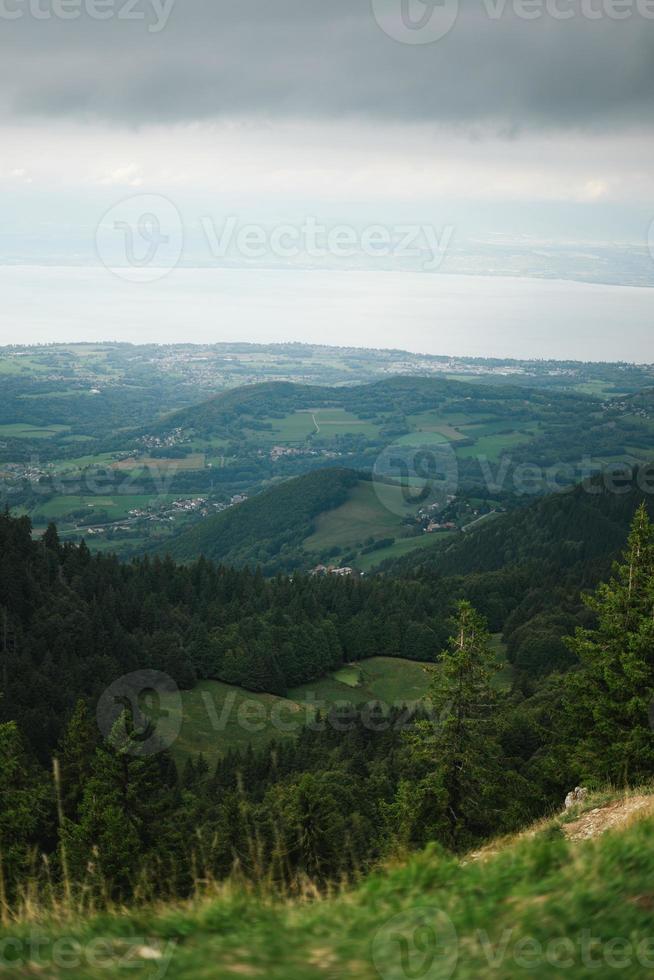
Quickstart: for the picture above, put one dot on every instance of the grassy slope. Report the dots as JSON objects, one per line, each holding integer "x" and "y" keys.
{"x": 363, "y": 515}
{"x": 536, "y": 905}
{"x": 260, "y": 528}
{"x": 316, "y": 512}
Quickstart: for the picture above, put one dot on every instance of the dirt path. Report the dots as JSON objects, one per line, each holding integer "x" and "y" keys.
{"x": 590, "y": 824}
{"x": 603, "y": 818}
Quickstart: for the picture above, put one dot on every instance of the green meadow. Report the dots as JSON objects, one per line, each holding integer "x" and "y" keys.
{"x": 362, "y": 516}
{"x": 117, "y": 505}
{"x": 400, "y": 548}
{"x": 215, "y": 717}
{"x": 296, "y": 428}
{"x": 21, "y": 430}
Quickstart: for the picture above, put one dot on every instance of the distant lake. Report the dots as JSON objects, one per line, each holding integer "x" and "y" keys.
{"x": 436, "y": 314}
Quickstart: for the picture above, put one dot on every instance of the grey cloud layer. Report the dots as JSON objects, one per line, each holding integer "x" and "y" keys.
{"x": 326, "y": 58}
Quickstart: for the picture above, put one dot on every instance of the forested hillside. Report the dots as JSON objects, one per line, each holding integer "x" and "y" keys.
{"x": 266, "y": 530}
{"x": 527, "y": 569}
{"x": 68, "y": 614}
{"x": 354, "y": 787}
{"x": 73, "y": 622}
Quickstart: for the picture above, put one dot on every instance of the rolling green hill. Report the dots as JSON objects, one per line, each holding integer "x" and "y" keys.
{"x": 332, "y": 515}
{"x": 268, "y": 529}
{"x": 433, "y": 408}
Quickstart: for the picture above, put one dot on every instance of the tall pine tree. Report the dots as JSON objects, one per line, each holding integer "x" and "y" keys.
{"x": 462, "y": 741}
{"x": 609, "y": 699}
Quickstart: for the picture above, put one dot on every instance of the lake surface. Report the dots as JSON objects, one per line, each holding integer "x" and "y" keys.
{"x": 436, "y": 314}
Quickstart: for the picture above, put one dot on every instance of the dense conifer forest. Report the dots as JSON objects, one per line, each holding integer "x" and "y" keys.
{"x": 474, "y": 759}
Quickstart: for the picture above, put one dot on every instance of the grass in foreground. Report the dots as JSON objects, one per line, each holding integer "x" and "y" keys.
{"x": 538, "y": 907}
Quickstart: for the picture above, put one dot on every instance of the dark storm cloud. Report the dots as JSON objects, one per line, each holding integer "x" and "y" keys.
{"x": 327, "y": 59}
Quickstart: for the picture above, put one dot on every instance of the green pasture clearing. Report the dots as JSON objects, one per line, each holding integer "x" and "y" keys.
{"x": 503, "y": 680}
{"x": 401, "y": 547}
{"x": 216, "y": 717}
{"x": 477, "y": 430}
{"x": 493, "y": 446}
{"x": 600, "y": 389}
{"x": 392, "y": 680}
{"x": 201, "y": 445}
{"x": 362, "y": 516}
{"x": 68, "y": 393}
{"x": 350, "y": 675}
{"x": 117, "y": 505}
{"x": 297, "y": 427}
{"x": 421, "y": 438}
{"x": 23, "y": 430}
{"x": 19, "y": 365}
{"x": 196, "y": 461}
{"x": 98, "y": 461}
{"x": 440, "y": 422}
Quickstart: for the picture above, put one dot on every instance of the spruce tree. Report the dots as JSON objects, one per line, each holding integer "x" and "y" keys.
{"x": 460, "y": 744}
{"x": 124, "y": 817}
{"x": 75, "y": 756}
{"x": 609, "y": 699}
{"x": 25, "y": 808}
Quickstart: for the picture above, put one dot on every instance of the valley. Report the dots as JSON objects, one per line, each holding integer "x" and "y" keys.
{"x": 147, "y": 479}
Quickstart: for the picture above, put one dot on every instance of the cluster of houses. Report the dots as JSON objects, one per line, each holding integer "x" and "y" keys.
{"x": 434, "y": 527}
{"x": 194, "y": 505}
{"x": 32, "y": 472}
{"x": 191, "y": 505}
{"x": 279, "y": 452}
{"x": 627, "y": 407}
{"x": 344, "y": 572}
{"x": 174, "y": 438}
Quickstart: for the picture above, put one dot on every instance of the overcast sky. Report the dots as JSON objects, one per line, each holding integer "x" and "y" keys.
{"x": 526, "y": 120}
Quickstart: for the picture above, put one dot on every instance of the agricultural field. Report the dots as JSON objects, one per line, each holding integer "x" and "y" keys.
{"x": 81, "y": 463}
{"x": 422, "y": 438}
{"x": 116, "y": 506}
{"x": 494, "y": 444}
{"x": 216, "y": 717}
{"x": 21, "y": 365}
{"x": 158, "y": 402}
{"x": 400, "y": 548}
{"x": 362, "y": 516}
{"x": 195, "y": 461}
{"x": 21, "y": 430}
{"x": 298, "y": 427}
{"x": 436, "y": 423}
